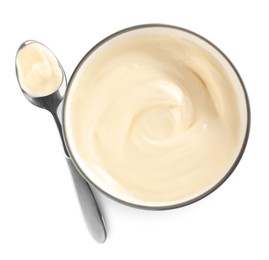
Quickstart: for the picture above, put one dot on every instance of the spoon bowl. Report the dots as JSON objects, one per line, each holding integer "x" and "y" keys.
{"x": 50, "y": 102}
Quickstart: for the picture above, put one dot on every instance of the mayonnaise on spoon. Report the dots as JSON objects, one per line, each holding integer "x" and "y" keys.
{"x": 39, "y": 71}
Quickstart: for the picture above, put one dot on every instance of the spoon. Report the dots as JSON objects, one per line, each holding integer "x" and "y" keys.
{"x": 91, "y": 212}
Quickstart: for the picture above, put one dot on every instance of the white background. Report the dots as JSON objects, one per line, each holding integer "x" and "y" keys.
{"x": 39, "y": 213}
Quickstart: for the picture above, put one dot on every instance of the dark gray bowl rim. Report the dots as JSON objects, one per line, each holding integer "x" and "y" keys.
{"x": 199, "y": 197}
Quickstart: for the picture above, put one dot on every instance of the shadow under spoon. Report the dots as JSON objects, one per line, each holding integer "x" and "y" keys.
{"x": 51, "y": 101}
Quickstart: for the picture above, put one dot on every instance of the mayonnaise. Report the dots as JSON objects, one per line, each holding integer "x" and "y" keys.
{"x": 38, "y": 70}
{"x": 155, "y": 116}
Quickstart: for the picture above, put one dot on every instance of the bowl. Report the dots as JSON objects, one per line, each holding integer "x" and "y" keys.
{"x": 156, "y": 117}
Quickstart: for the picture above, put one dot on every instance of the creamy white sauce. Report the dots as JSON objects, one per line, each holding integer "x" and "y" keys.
{"x": 155, "y": 116}
{"x": 38, "y": 70}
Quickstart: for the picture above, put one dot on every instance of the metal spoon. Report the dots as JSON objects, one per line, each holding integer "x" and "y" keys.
{"x": 91, "y": 212}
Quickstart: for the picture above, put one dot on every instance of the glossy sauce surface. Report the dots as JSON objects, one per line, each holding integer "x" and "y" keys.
{"x": 154, "y": 118}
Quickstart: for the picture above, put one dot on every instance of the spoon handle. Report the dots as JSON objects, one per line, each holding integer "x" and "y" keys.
{"x": 90, "y": 210}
